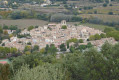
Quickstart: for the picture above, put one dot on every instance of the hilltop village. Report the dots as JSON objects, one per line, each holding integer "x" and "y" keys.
{"x": 55, "y": 34}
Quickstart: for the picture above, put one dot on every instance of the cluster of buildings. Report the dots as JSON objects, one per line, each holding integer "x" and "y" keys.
{"x": 54, "y": 34}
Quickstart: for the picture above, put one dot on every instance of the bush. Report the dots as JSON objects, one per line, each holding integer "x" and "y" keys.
{"x": 64, "y": 27}
{"x": 16, "y": 15}
{"x": 80, "y": 40}
{"x": 76, "y": 18}
{"x": 30, "y": 28}
{"x": 104, "y": 5}
{"x": 95, "y": 20}
{"x": 110, "y": 5}
{"x": 110, "y": 13}
{"x": 43, "y": 17}
{"x": 95, "y": 12}
{"x": 45, "y": 72}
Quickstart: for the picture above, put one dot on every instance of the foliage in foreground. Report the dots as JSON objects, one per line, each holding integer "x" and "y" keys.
{"x": 88, "y": 65}
{"x": 45, "y": 72}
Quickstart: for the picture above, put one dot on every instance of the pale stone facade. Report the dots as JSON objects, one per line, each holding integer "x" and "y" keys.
{"x": 52, "y": 34}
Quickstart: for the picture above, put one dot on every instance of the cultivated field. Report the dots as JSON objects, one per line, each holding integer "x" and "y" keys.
{"x": 104, "y": 10}
{"x": 23, "y": 23}
{"x": 104, "y": 17}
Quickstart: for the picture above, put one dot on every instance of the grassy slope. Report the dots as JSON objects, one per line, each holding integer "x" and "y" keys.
{"x": 96, "y": 26}
{"x": 100, "y": 27}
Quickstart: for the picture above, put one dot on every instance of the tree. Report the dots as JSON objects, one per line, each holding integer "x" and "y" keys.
{"x": 5, "y": 27}
{"x": 113, "y": 34}
{"x": 89, "y": 45}
{"x": 29, "y": 43}
{"x": 3, "y": 44}
{"x": 27, "y": 48}
{"x": 105, "y": 5}
{"x": 7, "y": 50}
{"x": 42, "y": 50}
{"x": 72, "y": 40}
{"x": 76, "y": 18}
{"x": 62, "y": 47}
{"x": 95, "y": 12}
{"x": 13, "y": 27}
{"x": 92, "y": 37}
{"x": 52, "y": 49}
{"x": 110, "y": 13}
{"x": 27, "y": 52}
{"x": 16, "y": 15}
{"x": 106, "y": 49}
{"x": 4, "y": 72}
{"x": 67, "y": 45}
{"x": 13, "y": 50}
{"x": 80, "y": 40}
{"x": 10, "y": 35}
{"x": 1, "y": 30}
{"x": 97, "y": 37}
{"x": 108, "y": 29}
{"x": 42, "y": 72}
{"x": 110, "y": 5}
{"x": 35, "y": 48}
{"x": 82, "y": 47}
{"x": 46, "y": 49}
{"x": 95, "y": 65}
{"x": 103, "y": 35}
{"x": 30, "y": 28}
{"x": 64, "y": 27}
{"x": 72, "y": 49}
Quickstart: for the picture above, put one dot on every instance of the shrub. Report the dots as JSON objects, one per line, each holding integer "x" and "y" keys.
{"x": 110, "y": 5}
{"x": 64, "y": 27}
{"x": 95, "y": 20}
{"x": 30, "y": 28}
{"x": 110, "y": 13}
{"x": 104, "y": 5}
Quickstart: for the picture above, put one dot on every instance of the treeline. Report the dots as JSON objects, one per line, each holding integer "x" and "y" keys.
{"x": 96, "y": 20}
{"x": 55, "y": 17}
{"x": 32, "y": 14}
{"x": 28, "y": 15}
{"x": 8, "y": 52}
{"x": 109, "y": 32}
{"x": 88, "y": 65}
{"x": 97, "y": 36}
